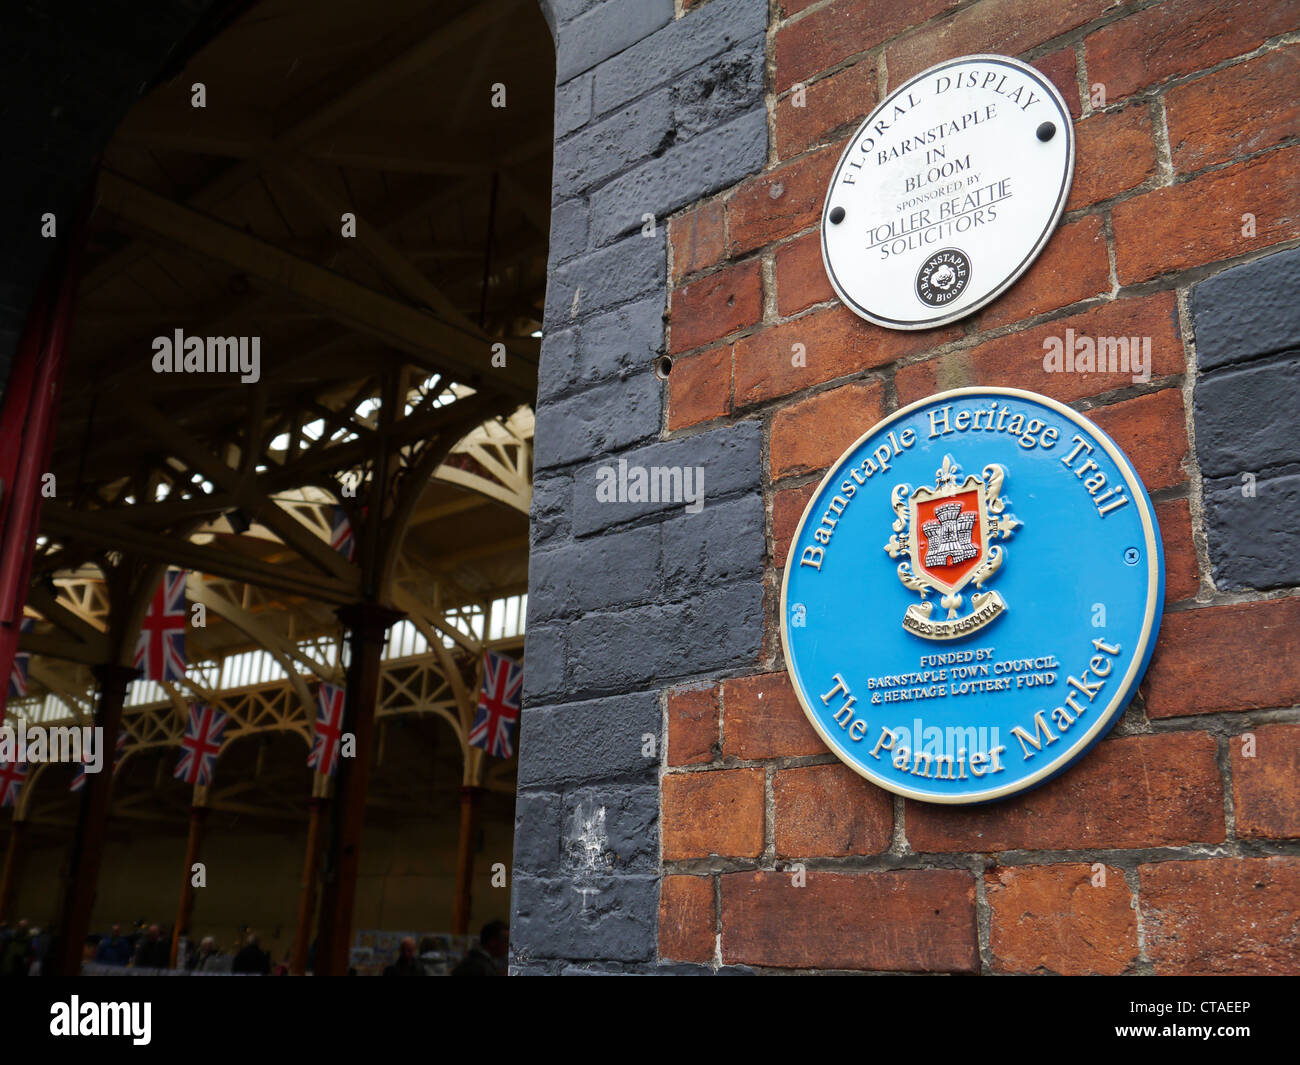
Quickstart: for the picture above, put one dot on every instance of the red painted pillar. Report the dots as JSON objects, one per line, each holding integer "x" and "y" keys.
{"x": 27, "y": 409}
{"x": 368, "y": 625}
{"x": 307, "y": 890}
{"x": 185, "y": 908}
{"x": 92, "y": 824}
{"x": 469, "y": 797}
{"x": 13, "y": 865}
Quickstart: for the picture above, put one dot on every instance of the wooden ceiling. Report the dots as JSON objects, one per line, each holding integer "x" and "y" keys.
{"x": 227, "y": 220}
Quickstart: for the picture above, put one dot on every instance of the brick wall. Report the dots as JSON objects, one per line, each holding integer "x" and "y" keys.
{"x": 653, "y": 112}
{"x": 1173, "y": 846}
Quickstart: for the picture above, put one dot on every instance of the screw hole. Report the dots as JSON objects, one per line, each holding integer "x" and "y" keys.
{"x": 663, "y": 367}
{"x": 1046, "y": 131}
{"x": 837, "y": 215}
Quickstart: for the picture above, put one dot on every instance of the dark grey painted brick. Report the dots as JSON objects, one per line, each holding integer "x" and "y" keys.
{"x": 606, "y": 30}
{"x": 655, "y": 645}
{"x": 615, "y": 920}
{"x": 569, "y": 225}
{"x": 603, "y": 419}
{"x": 720, "y": 89}
{"x": 676, "y": 968}
{"x": 628, "y": 821}
{"x": 538, "y": 828}
{"x": 555, "y": 368}
{"x": 1247, "y": 311}
{"x": 677, "y": 48}
{"x": 544, "y": 651}
{"x": 596, "y": 574}
{"x": 636, "y": 132}
{"x": 589, "y": 740}
{"x": 571, "y": 9}
{"x": 692, "y": 123}
{"x": 622, "y": 341}
{"x": 1246, "y": 417}
{"x": 646, "y": 128}
{"x": 606, "y": 278}
{"x": 682, "y": 175}
{"x": 548, "y": 13}
{"x": 540, "y": 968}
{"x": 549, "y": 517}
{"x": 730, "y": 456}
{"x": 725, "y": 542}
{"x": 573, "y": 105}
{"x": 1252, "y": 539}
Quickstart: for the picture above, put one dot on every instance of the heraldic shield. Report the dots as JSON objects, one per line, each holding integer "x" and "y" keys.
{"x": 945, "y": 536}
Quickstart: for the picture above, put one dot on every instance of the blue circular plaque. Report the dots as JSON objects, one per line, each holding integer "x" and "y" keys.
{"x": 972, "y": 595}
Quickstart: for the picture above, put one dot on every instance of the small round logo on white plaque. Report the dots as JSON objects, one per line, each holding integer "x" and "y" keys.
{"x": 948, "y": 192}
{"x": 943, "y": 277}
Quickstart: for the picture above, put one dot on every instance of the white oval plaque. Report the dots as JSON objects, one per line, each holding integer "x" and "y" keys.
{"x": 948, "y": 192}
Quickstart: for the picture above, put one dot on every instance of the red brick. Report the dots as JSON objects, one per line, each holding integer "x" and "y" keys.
{"x": 846, "y": 97}
{"x": 810, "y": 434}
{"x": 1073, "y": 267}
{"x": 836, "y": 343}
{"x": 1182, "y": 569}
{"x": 905, "y": 921}
{"x": 1051, "y": 919}
{"x": 1266, "y": 786}
{"x": 1152, "y": 432}
{"x": 1226, "y": 658}
{"x": 1180, "y": 37}
{"x": 1200, "y": 221}
{"x": 762, "y": 718}
{"x": 843, "y": 28}
{"x": 1114, "y": 152}
{"x": 699, "y": 387}
{"x": 786, "y": 8}
{"x": 698, "y": 238}
{"x": 1105, "y": 800}
{"x": 788, "y": 506}
{"x": 714, "y": 305}
{"x": 801, "y": 277}
{"x": 1230, "y": 916}
{"x": 1062, "y": 69}
{"x": 780, "y": 202}
{"x": 1237, "y": 111}
{"x": 718, "y": 812}
{"x": 1003, "y": 27}
{"x": 693, "y": 725}
{"x": 686, "y": 919}
{"x": 1016, "y": 360}
{"x": 920, "y": 380}
{"x": 828, "y": 811}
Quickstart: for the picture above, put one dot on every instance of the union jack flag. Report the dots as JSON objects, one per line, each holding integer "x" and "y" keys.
{"x": 498, "y": 705}
{"x": 22, "y": 662}
{"x": 202, "y": 744}
{"x": 160, "y": 649}
{"x": 12, "y": 778}
{"x": 79, "y": 781}
{"x": 324, "y": 756}
{"x": 341, "y": 538}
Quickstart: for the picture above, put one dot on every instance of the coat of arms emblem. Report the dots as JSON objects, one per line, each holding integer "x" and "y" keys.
{"x": 945, "y": 536}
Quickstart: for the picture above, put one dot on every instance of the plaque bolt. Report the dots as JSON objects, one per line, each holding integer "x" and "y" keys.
{"x": 837, "y": 215}
{"x": 1131, "y": 556}
{"x": 1047, "y": 131}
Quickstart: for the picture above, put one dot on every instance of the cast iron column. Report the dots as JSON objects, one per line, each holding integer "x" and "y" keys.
{"x": 92, "y": 825}
{"x": 368, "y": 625}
